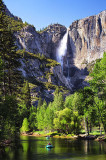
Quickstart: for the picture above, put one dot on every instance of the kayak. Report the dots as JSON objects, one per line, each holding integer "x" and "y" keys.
{"x": 49, "y": 146}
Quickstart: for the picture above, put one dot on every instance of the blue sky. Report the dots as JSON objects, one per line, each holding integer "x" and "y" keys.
{"x": 42, "y": 13}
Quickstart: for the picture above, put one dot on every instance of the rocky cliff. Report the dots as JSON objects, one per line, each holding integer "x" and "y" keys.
{"x": 86, "y": 43}
{"x": 44, "y": 42}
{"x": 88, "y": 39}
{"x": 44, "y": 75}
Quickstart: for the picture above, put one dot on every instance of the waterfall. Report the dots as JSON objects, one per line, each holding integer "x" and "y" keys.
{"x": 68, "y": 67}
{"x": 62, "y": 49}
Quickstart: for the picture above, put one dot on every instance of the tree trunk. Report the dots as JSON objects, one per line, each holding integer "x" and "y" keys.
{"x": 104, "y": 126}
{"x": 85, "y": 125}
{"x": 100, "y": 129}
{"x": 90, "y": 127}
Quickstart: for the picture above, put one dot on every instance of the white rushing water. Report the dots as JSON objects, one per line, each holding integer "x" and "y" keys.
{"x": 62, "y": 49}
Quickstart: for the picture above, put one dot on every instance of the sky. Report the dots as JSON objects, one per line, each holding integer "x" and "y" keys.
{"x": 42, "y": 13}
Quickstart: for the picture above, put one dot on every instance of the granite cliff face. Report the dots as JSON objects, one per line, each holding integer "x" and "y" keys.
{"x": 88, "y": 39}
{"x": 45, "y": 42}
{"x": 86, "y": 42}
{"x": 43, "y": 74}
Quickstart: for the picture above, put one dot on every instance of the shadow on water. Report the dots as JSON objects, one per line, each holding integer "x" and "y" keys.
{"x": 32, "y": 148}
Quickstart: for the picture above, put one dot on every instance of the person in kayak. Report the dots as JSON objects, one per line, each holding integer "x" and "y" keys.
{"x": 49, "y": 143}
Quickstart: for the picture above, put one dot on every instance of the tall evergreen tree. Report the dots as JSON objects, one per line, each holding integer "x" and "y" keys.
{"x": 98, "y": 84}
{"x": 3, "y": 24}
{"x": 11, "y": 75}
{"x": 58, "y": 103}
{"x": 3, "y": 27}
{"x": 1, "y": 72}
{"x": 26, "y": 96}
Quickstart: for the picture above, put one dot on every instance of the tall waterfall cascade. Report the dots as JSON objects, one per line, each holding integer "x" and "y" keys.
{"x": 62, "y": 49}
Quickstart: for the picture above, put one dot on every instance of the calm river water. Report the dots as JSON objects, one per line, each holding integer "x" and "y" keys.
{"x": 32, "y": 148}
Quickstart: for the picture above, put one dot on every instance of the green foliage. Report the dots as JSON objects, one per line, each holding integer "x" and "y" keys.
{"x": 52, "y": 63}
{"x": 58, "y": 103}
{"x": 1, "y": 71}
{"x": 48, "y": 118}
{"x": 99, "y": 76}
{"x": 9, "y": 117}
{"x": 22, "y": 110}
{"x": 49, "y": 85}
{"x": 98, "y": 84}
{"x": 32, "y": 118}
{"x": 26, "y": 97}
{"x": 41, "y": 57}
{"x": 10, "y": 79}
{"x": 48, "y": 74}
{"x": 25, "y": 125}
{"x": 11, "y": 63}
{"x": 3, "y": 24}
{"x": 15, "y": 25}
{"x": 46, "y": 114}
{"x": 41, "y": 115}
{"x": 100, "y": 115}
{"x": 27, "y": 55}
{"x": 68, "y": 121}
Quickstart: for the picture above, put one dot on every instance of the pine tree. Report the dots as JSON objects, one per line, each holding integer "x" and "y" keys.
{"x": 25, "y": 125}
{"x": 1, "y": 72}
{"x": 58, "y": 102}
{"x": 11, "y": 75}
{"x": 3, "y": 27}
{"x": 3, "y": 24}
{"x": 26, "y": 96}
{"x": 41, "y": 116}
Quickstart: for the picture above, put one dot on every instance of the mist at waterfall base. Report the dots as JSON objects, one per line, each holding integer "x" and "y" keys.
{"x": 62, "y": 49}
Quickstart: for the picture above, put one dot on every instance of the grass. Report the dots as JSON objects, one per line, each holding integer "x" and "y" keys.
{"x": 39, "y": 132}
{"x": 95, "y": 131}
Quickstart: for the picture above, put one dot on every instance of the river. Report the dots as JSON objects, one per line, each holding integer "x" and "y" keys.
{"x": 34, "y": 148}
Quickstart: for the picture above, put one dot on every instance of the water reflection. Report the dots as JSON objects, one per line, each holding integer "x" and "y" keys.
{"x": 32, "y": 148}
{"x": 49, "y": 149}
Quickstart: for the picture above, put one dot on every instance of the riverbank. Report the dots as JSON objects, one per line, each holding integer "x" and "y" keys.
{"x": 57, "y": 135}
{"x": 69, "y": 136}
